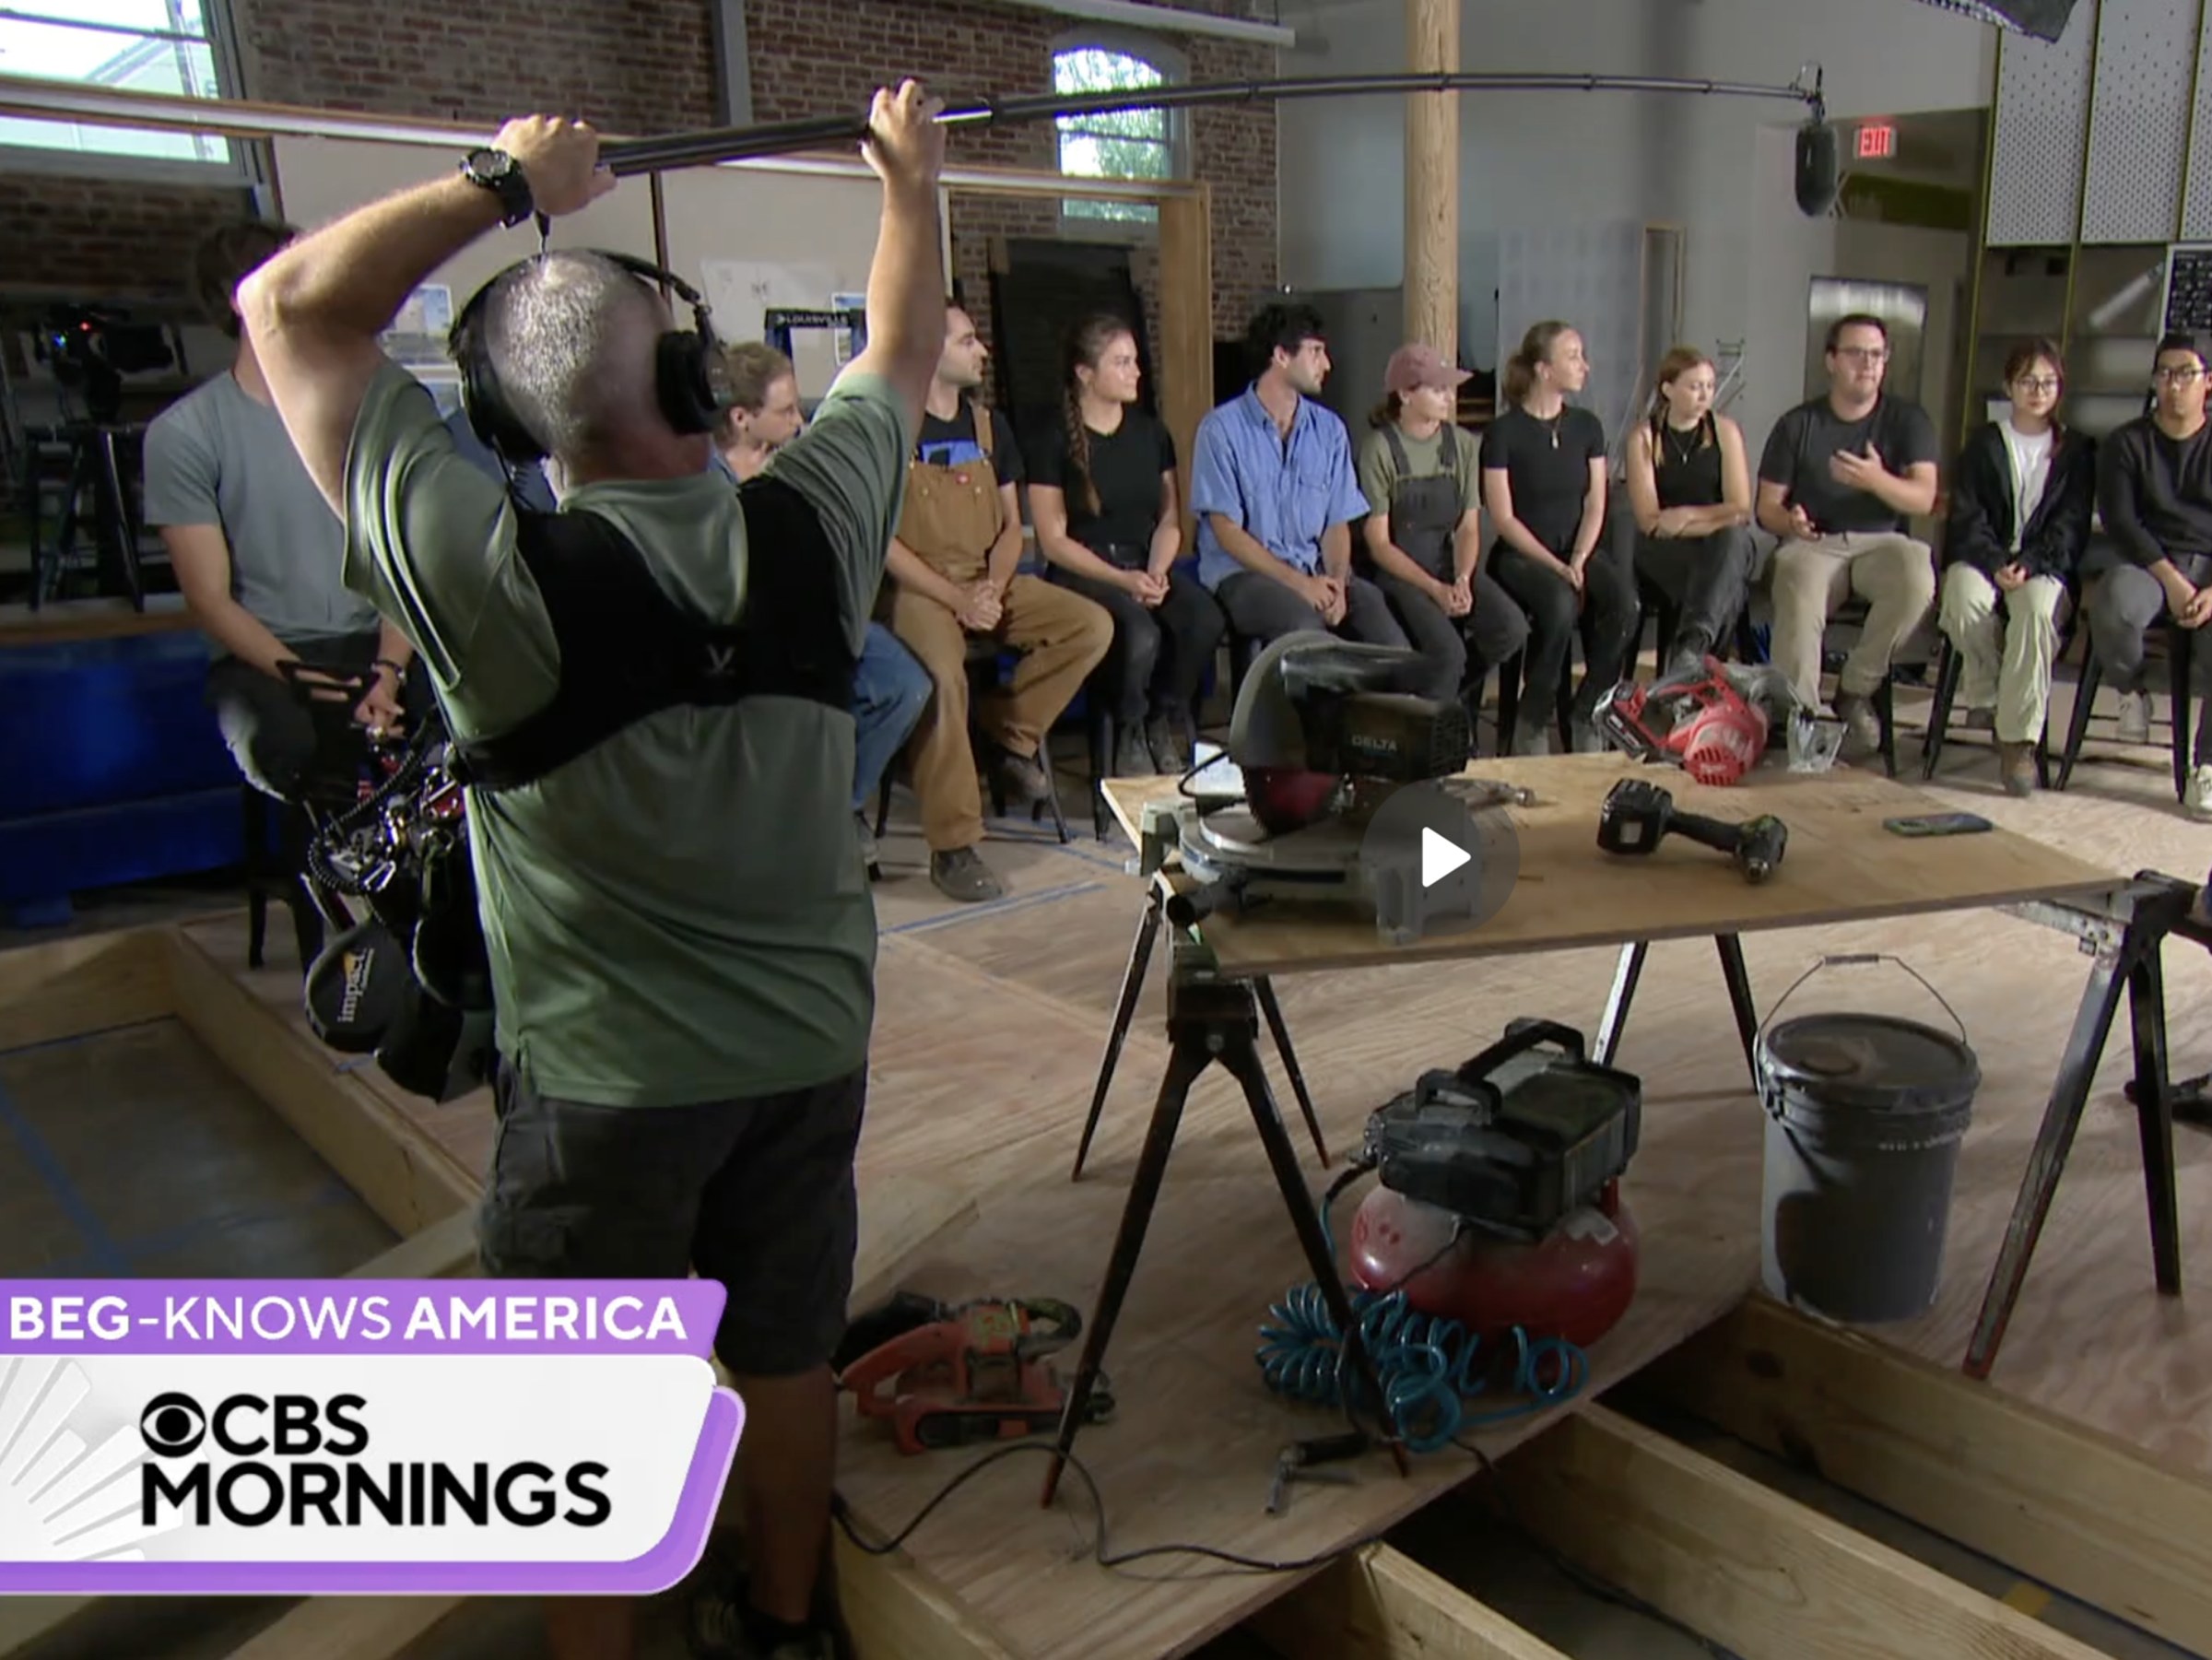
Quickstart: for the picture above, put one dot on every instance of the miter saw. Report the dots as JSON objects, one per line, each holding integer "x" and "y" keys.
{"x": 1325, "y": 733}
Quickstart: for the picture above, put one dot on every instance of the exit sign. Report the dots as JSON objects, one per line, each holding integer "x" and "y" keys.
{"x": 1877, "y": 141}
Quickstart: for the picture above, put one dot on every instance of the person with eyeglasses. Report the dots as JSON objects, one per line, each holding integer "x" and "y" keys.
{"x": 2155, "y": 492}
{"x": 2020, "y": 518}
{"x": 1841, "y": 479}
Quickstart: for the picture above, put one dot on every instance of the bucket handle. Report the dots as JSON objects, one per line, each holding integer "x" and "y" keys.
{"x": 1859, "y": 960}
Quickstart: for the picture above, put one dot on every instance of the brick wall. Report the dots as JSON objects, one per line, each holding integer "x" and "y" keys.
{"x": 808, "y": 58}
{"x": 648, "y": 65}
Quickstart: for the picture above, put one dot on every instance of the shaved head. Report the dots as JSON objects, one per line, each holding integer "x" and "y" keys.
{"x": 571, "y": 336}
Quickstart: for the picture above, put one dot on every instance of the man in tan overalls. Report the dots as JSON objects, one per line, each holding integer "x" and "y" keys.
{"x": 952, "y": 575}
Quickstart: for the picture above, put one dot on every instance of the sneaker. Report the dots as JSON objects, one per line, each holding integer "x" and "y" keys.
{"x": 2196, "y": 794}
{"x": 1533, "y": 737}
{"x": 2135, "y": 717}
{"x": 2015, "y": 768}
{"x": 960, "y": 874}
{"x": 715, "y": 1629}
{"x": 1132, "y": 755}
{"x": 1861, "y": 727}
{"x": 1163, "y": 736}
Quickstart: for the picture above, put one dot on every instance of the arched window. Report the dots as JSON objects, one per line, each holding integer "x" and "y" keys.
{"x": 1124, "y": 144}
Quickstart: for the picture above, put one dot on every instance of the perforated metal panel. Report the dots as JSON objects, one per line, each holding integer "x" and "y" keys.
{"x": 2139, "y": 127}
{"x": 2043, "y": 122}
{"x": 2196, "y": 202}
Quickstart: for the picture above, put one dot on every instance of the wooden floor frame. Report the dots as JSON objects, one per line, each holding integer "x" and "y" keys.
{"x": 1758, "y": 1572}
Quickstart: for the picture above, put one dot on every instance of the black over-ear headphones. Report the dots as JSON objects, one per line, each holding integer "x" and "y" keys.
{"x": 689, "y": 376}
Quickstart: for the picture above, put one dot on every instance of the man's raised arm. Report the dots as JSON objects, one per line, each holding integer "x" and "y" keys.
{"x": 313, "y": 313}
{"x": 906, "y": 279}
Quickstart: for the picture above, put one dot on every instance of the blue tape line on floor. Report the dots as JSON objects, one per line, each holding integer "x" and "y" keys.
{"x": 1019, "y": 901}
{"x": 106, "y": 1257}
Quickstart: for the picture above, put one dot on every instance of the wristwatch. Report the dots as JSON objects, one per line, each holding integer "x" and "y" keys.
{"x": 499, "y": 173}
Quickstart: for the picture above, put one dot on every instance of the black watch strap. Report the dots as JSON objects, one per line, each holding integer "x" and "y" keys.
{"x": 498, "y": 173}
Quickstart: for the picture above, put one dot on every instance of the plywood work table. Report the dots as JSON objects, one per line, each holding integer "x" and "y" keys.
{"x": 1840, "y": 866}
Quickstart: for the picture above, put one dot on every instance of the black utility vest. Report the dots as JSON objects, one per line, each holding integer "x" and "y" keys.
{"x": 628, "y": 650}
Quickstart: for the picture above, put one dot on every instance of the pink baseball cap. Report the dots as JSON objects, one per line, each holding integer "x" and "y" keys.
{"x": 1412, "y": 367}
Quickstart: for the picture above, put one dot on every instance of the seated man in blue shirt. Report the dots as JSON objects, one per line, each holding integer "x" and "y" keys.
{"x": 1275, "y": 496}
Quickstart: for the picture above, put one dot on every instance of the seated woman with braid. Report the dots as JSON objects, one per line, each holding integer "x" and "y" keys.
{"x": 1103, "y": 500}
{"x": 1689, "y": 485}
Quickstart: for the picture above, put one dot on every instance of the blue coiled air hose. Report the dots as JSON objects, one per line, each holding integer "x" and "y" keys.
{"x": 1428, "y": 1366}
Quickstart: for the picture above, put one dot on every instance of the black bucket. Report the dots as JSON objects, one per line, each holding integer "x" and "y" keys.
{"x": 1864, "y": 1115}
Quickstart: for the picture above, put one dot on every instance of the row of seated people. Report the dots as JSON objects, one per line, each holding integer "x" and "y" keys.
{"x": 1278, "y": 494}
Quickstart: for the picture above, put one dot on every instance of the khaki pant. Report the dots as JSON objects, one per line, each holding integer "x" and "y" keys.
{"x": 1061, "y": 637}
{"x": 1894, "y": 574}
{"x": 2012, "y": 677}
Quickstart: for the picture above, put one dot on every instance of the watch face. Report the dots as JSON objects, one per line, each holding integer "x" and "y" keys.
{"x": 491, "y": 164}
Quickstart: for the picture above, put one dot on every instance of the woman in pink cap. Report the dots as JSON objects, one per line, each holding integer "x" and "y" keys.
{"x": 1423, "y": 536}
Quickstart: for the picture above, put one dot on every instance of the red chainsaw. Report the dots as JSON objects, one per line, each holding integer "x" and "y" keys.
{"x": 1697, "y": 718}
{"x": 949, "y": 1376}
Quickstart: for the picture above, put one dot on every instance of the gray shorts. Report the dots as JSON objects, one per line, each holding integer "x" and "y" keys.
{"x": 756, "y": 1193}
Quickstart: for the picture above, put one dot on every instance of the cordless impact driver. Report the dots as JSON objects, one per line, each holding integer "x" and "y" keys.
{"x": 1638, "y": 815}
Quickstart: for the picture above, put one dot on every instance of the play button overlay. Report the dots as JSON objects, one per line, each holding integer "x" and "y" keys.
{"x": 1435, "y": 863}
{"x": 1440, "y": 858}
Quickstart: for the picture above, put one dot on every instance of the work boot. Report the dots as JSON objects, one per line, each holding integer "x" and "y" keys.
{"x": 960, "y": 874}
{"x": 1861, "y": 727}
{"x": 2016, "y": 769}
{"x": 1023, "y": 776}
{"x": 719, "y": 1624}
{"x": 2135, "y": 717}
{"x": 1163, "y": 736}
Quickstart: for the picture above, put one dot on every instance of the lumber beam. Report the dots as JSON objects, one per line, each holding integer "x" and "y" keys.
{"x": 1744, "y": 1567}
{"x": 26, "y": 1622}
{"x": 70, "y": 988}
{"x": 1431, "y": 296}
{"x": 1379, "y": 1604}
{"x": 445, "y": 1250}
{"x": 400, "y": 1172}
{"x": 895, "y": 1610}
{"x": 2067, "y": 1506}
{"x": 348, "y": 1628}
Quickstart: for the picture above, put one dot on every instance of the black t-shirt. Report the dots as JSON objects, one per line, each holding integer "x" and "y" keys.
{"x": 951, "y": 443}
{"x": 1804, "y": 441}
{"x": 1550, "y": 479}
{"x": 1126, "y": 466}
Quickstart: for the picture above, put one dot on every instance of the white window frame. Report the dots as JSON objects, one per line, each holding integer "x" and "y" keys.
{"x": 244, "y": 167}
{"x": 1174, "y": 69}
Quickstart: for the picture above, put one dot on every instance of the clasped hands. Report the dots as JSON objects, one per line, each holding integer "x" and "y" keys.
{"x": 1454, "y": 598}
{"x": 1326, "y": 594}
{"x": 981, "y": 606}
{"x": 2192, "y": 610}
{"x": 1144, "y": 588}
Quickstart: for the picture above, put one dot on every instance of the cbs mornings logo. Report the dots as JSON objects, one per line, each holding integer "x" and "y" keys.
{"x": 256, "y": 1460}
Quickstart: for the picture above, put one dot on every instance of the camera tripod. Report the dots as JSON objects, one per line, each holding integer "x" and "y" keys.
{"x": 1210, "y": 1019}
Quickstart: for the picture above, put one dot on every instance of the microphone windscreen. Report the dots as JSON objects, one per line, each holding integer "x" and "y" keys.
{"x": 1817, "y": 169}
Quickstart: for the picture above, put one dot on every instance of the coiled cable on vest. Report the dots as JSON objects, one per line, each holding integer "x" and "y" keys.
{"x": 406, "y": 788}
{"x": 1428, "y": 1366}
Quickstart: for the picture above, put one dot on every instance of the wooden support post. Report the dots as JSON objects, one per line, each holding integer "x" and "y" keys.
{"x": 1759, "y": 1574}
{"x": 1186, "y": 332}
{"x": 2069, "y": 1507}
{"x": 1432, "y": 180}
{"x": 1381, "y": 1605}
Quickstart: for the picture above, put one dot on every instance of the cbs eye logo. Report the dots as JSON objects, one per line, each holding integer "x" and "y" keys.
{"x": 172, "y": 1425}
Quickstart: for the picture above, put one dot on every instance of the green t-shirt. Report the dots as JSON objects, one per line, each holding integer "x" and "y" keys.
{"x": 1424, "y": 459}
{"x": 681, "y": 913}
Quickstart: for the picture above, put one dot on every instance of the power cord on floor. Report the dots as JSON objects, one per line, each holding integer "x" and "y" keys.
{"x": 1098, "y": 1550}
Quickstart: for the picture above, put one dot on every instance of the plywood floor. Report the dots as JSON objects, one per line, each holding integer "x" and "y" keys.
{"x": 991, "y": 1023}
